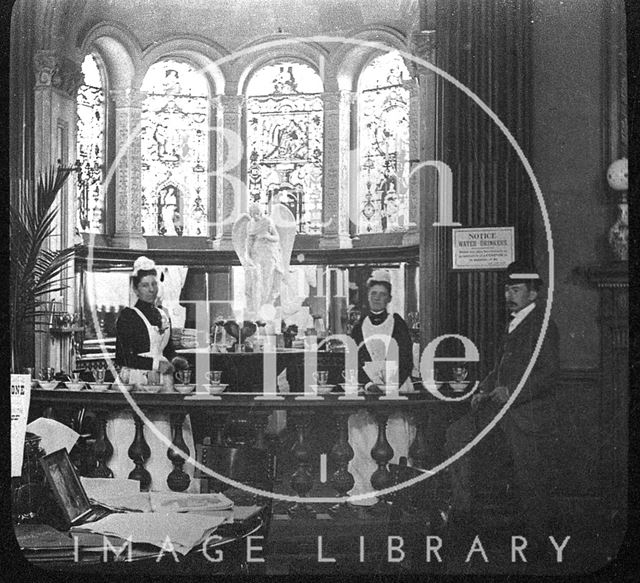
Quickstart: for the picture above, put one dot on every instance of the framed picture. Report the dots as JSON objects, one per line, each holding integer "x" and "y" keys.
{"x": 65, "y": 484}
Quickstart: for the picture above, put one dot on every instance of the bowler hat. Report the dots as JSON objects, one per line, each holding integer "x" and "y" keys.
{"x": 521, "y": 272}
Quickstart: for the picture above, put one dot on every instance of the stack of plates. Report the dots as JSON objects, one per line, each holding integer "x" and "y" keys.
{"x": 176, "y": 335}
{"x": 188, "y": 338}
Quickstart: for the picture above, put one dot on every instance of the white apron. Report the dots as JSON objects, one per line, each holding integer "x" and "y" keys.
{"x": 363, "y": 429}
{"x": 121, "y": 427}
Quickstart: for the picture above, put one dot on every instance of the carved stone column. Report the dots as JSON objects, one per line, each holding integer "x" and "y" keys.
{"x": 230, "y": 179}
{"x": 57, "y": 79}
{"x": 337, "y": 128}
{"x": 128, "y": 203}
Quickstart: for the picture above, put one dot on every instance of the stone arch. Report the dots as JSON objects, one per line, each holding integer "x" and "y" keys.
{"x": 257, "y": 54}
{"x": 199, "y": 52}
{"x": 349, "y": 60}
{"x": 119, "y": 51}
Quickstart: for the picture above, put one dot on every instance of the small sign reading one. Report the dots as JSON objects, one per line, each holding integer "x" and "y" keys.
{"x": 20, "y": 396}
{"x": 483, "y": 248}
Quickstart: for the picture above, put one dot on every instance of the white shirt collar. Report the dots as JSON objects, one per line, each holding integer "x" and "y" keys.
{"x": 519, "y": 316}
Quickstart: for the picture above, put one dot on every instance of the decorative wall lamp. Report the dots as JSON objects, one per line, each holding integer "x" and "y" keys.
{"x": 618, "y": 179}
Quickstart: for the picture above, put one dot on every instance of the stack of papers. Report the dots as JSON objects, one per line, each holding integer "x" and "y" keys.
{"x": 180, "y": 532}
{"x": 124, "y": 495}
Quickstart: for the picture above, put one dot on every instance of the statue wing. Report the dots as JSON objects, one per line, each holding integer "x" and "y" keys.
{"x": 239, "y": 237}
{"x": 285, "y": 224}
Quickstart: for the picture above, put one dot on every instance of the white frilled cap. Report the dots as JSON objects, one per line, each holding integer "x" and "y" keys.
{"x": 142, "y": 263}
{"x": 381, "y": 275}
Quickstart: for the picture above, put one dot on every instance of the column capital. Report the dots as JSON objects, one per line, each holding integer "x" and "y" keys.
{"x": 230, "y": 102}
{"x": 56, "y": 71}
{"x": 126, "y": 97}
{"x": 44, "y": 63}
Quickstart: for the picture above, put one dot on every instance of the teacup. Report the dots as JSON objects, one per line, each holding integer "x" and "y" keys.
{"x": 350, "y": 377}
{"x": 183, "y": 376}
{"x": 214, "y": 377}
{"x": 321, "y": 377}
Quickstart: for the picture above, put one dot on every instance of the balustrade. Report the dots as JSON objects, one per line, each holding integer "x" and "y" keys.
{"x": 240, "y": 419}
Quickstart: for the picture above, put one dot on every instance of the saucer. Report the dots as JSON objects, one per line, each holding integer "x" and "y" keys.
{"x": 184, "y": 389}
{"x": 150, "y": 388}
{"x": 216, "y": 389}
{"x": 434, "y": 384}
{"x": 322, "y": 389}
{"x": 99, "y": 386}
{"x": 359, "y": 387}
{"x": 127, "y": 388}
{"x": 458, "y": 387}
{"x": 48, "y": 385}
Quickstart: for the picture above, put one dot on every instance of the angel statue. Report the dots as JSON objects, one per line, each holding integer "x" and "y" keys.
{"x": 263, "y": 244}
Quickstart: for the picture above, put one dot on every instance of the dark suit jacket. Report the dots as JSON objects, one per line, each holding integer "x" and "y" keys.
{"x": 405, "y": 356}
{"x": 534, "y": 408}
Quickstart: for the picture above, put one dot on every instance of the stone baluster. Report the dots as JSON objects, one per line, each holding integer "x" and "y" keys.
{"x": 177, "y": 480}
{"x": 139, "y": 452}
{"x": 302, "y": 479}
{"x": 102, "y": 448}
{"x": 342, "y": 453}
{"x": 381, "y": 452}
{"x": 218, "y": 423}
{"x": 418, "y": 451}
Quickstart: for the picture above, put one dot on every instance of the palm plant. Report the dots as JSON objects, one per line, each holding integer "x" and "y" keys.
{"x": 36, "y": 272}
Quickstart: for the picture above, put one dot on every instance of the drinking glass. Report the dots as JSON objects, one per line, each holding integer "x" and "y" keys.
{"x": 350, "y": 377}
{"x": 184, "y": 376}
{"x": 460, "y": 373}
{"x": 214, "y": 377}
{"x": 321, "y": 377}
{"x": 98, "y": 374}
{"x": 153, "y": 377}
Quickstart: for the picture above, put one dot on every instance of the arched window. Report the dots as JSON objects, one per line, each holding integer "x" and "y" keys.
{"x": 285, "y": 125}
{"x": 175, "y": 146}
{"x": 90, "y": 149}
{"x": 383, "y": 131}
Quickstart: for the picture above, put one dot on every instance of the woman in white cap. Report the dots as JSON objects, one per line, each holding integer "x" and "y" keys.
{"x": 144, "y": 351}
{"x": 376, "y": 359}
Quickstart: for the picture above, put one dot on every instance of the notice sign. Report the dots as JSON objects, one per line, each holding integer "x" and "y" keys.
{"x": 483, "y": 248}
{"x": 20, "y": 396}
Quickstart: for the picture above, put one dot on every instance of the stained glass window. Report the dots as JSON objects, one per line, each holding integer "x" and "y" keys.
{"x": 383, "y": 122}
{"x": 285, "y": 124}
{"x": 175, "y": 145}
{"x": 90, "y": 149}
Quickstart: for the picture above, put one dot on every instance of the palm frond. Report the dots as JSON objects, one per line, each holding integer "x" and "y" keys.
{"x": 36, "y": 272}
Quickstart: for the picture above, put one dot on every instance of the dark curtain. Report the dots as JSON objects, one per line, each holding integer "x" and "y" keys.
{"x": 485, "y": 45}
